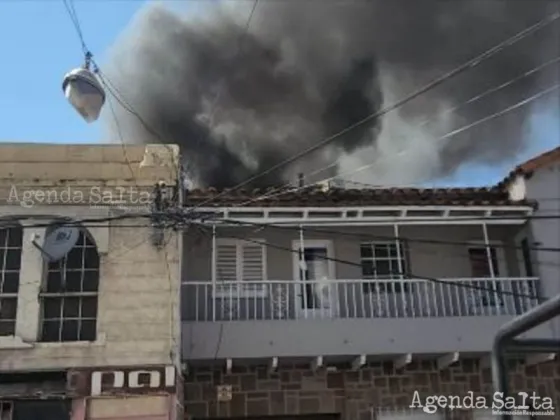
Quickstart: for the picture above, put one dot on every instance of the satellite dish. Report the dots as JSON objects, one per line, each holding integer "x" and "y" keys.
{"x": 59, "y": 241}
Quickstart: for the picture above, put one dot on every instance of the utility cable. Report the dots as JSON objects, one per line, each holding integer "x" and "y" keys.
{"x": 462, "y": 68}
{"x": 407, "y": 275}
{"x": 367, "y": 236}
{"x": 445, "y": 112}
{"x": 377, "y": 161}
{"x": 179, "y": 219}
{"x": 117, "y": 94}
{"x": 69, "y": 5}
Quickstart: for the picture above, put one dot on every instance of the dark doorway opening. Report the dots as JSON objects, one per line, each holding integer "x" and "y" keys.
{"x": 41, "y": 410}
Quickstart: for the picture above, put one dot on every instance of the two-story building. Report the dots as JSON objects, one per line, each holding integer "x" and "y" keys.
{"x": 341, "y": 303}
{"x": 93, "y": 331}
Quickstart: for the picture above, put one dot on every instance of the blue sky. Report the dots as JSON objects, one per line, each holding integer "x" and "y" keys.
{"x": 39, "y": 45}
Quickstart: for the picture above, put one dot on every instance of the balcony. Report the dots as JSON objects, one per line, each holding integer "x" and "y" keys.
{"x": 358, "y": 299}
{"x": 343, "y": 316}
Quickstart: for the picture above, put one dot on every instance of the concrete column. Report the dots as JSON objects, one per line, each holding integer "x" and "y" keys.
{"x": 30, "y": 279}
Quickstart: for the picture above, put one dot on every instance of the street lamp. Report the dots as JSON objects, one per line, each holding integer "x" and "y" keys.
{"x": 84, "y": 91}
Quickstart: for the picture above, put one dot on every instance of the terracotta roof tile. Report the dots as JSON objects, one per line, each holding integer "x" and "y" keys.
{"x": 335, "y": 197}
{"x": 527, "y": 168}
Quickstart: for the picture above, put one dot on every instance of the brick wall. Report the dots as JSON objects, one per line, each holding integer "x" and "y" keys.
{"x": 298, "y": 390}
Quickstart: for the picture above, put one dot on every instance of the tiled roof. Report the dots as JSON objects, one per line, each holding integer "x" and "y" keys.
{"x": 527, "y": 168}
{"x": 335, "y": 197}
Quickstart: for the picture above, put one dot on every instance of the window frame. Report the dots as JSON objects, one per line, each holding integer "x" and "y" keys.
{"x": 487, "y": 298}
{"x": 237, "y": 289}
{"x": 10, "y": 296}
{"x": 62, "y": 297}
{"x": 391, "y": 283}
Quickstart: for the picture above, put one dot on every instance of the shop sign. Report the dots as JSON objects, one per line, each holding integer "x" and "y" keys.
{"x": 135, "y": 380}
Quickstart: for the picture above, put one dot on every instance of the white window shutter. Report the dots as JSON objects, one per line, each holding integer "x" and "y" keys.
{"x": 226, "y": 262}
{"x": 252, "y": 262}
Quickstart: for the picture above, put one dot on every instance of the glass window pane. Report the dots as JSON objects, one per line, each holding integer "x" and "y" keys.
{"x": 15, "y": 237}
{"x": 367, "y": 268}
{"x": 74, "y": 281}
{"x": 91, "y": 281}
{"x": 91, "y": 258}
{"x": 13, "y": 259}
{"x": 381, "y": 251}
{"x": 11, "y": 283}
{"x": 74, "y": 259}
{"x": 88, "y": 330}
{"x": 52, "y": 308}
{"x": 51, "y": 331}
{"x": 69, "y": 330}
{"x": 366, "y": 251}
{"x": 7, "y": 327}
{"x": 383, "y": 268}
{"x": 8, "y": 308}
{"x": 54, "y": 282}
{"x": 71, "y": 307}
{"x": 89, "y": 307}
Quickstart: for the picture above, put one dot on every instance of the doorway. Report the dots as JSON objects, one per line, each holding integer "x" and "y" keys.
{"x": 314, "y": 269}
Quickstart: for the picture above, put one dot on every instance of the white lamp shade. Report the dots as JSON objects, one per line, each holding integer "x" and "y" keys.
{"x": 84, "y": 93}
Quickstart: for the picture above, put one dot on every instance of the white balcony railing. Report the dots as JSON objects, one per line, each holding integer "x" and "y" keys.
{"x": 407, "y": 298}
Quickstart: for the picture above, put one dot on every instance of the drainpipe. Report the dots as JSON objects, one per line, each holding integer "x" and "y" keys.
{"x": 505, "y": 337}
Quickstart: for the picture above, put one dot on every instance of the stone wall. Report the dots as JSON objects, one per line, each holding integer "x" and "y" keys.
{"x": 138, "y": 301}
{"x": 353, "y": 394}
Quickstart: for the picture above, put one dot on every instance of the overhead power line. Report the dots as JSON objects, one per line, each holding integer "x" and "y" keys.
{"x": 450, "y": 134}
{"x": 369, "y": 236}
{"x": 445, "y": 112}
{"x": 458, "y": 70}
{"x": 407, "y": 275}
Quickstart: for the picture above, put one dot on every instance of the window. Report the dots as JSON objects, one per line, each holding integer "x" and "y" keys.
{"x": 383, "y": 261}
{"x": 69, "y": 296}
{"x": 489, "y": 293}
{"x": 527, "y": 261}
{"x": 10, "y": 264}
{"x": 240, "y": 262}
{"x": 480, "y": 266}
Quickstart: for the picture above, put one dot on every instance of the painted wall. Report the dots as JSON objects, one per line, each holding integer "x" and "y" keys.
{"x": 544, "y": 187}
{"x": 413, "y": 324}
{"x": 138, "y": 309}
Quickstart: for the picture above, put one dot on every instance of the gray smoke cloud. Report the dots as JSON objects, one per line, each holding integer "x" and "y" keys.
{"x": 238, "y": 101}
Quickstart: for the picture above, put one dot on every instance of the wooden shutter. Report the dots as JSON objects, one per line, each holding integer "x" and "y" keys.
{"x": 226, "y": 261}
{"x": 252, "y": 262}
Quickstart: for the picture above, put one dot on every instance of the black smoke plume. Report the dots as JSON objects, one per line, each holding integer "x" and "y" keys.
{"x": 239, "y": 101}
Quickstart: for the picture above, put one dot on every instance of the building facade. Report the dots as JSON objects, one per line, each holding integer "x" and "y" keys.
{"x": 349, "y": 304}
{"x": 94, "y": 333}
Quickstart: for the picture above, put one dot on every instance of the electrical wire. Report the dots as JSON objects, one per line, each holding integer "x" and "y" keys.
{"x": 458, "y": 70}
{"x": 176, "y": 219}
{"x": 407, "y": 275}
{"x": 368, "y": 236}
{"x": 370, "y": 186}
{"x": 117, "y": 94}
{"x": 513, "y": 107}
{"x": 443, "y": 113}
{"x": 69, "y": 5}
